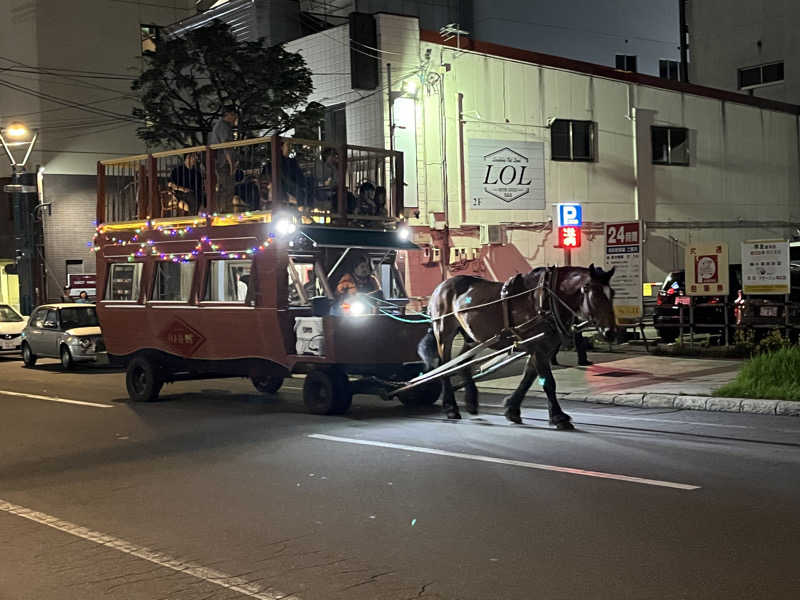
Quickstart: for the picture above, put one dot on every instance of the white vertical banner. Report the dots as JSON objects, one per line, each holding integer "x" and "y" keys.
{"x": 405, "y": 141}
{"x": 624, "y": 254}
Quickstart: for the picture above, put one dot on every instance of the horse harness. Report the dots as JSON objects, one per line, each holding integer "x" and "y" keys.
{"x": 545, "y": 293}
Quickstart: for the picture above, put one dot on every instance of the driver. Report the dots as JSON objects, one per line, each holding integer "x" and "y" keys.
{"x": 359, "y": 281}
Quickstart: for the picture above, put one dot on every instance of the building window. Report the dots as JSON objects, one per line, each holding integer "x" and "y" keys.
{"x": 149, "y": 37}
{"x": 752, "y": 77}
{"x": 123, "y": 281}
{"x": 572, "y": 140}
{"x": 626, "y": 62}
{"x": 669, "y": 69}
{"x": 670, "y": 145}
{"x": 228, "y": 281}
{"x": 173, "y": 281}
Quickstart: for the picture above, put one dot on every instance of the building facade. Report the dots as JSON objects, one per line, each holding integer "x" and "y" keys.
{"x": 67, "y": 68}
{"x": 747, "y": 46}
{"x": 689, "y": 163}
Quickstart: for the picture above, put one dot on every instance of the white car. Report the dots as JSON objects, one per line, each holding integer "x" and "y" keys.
{"x": 11, "y": 325}
{"x": 68, "y": 331}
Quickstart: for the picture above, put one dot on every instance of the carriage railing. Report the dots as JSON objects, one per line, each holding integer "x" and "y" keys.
{"x": 325, "y": 183}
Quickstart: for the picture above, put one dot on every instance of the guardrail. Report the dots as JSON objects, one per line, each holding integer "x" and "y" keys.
{"x": 326, "y": 182}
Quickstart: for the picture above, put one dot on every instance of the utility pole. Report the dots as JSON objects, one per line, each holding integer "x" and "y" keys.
{"x": 25, "y": 202}
{"x": 684, "y": 40}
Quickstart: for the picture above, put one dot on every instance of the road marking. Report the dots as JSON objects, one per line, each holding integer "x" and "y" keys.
{"x": 506, "y": 461}
{"x": 56, "y": 399}
{"x": 231, "y": 582}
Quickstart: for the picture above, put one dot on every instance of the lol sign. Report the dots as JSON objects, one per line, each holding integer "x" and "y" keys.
{"x": 569, "y": 218}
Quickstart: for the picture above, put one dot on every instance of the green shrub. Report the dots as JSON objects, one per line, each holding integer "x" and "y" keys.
{"x": 773, "y": 375}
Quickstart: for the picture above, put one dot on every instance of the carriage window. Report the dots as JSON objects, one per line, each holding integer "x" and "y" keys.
{"x": 302, "y": 276}
{"x": 228, "y": 281}
{"x": 173, "y": 281}
{"x": 123, "y": 282}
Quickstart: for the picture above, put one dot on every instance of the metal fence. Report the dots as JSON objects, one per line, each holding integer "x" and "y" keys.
{"x": 323, "y": 182}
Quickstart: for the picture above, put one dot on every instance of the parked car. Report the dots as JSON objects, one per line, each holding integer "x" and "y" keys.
{"x": 69, "y": 332}
{"x": 758, "y": 311}
{"x": 11, "y": 325}
{"x": 709, "y": 315}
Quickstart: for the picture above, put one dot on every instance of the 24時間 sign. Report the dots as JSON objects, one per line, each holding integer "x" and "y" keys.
{"x": 624, "y": 253}
{"x": 505, "y": 175}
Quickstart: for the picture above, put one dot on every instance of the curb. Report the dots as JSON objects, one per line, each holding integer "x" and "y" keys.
{"x": 676, "y": 401}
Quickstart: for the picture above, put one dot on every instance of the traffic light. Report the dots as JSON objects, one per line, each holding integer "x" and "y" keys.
{"x": 569, "y": 237}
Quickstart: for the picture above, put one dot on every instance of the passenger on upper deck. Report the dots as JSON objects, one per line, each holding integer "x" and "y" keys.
{"x": 186, "y": 181}
{"x": 293, "y": 180}
{"x": 225, "y": 163}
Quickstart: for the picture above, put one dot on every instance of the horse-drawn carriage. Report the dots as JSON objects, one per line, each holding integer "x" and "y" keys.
{"x": 254, "y": 295}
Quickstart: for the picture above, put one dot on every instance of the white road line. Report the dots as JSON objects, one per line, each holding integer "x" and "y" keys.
{"x": 56, "y": 399}
{"x": 506, "y": 461}
{"x": 236, "y": 584}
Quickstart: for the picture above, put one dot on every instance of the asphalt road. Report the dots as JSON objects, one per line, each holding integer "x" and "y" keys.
{"x": 216, "y": 492}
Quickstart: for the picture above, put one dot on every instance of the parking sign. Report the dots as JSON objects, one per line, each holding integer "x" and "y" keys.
{"x": 569, "y": 215}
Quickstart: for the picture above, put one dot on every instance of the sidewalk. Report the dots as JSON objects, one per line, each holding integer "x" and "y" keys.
{"x": 645, "y": 381}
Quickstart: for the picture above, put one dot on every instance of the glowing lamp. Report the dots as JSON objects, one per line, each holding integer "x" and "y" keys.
{"x": 17, "y": 130}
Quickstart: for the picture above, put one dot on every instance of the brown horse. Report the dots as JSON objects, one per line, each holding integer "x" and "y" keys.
{"x": 545, "y": 301}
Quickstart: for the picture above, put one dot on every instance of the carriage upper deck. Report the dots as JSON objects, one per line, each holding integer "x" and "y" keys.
{"x": 253, "y": 179}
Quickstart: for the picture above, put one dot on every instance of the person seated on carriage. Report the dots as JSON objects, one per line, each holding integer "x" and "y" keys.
{"x": 186, "y": 184}
{"x": 357, "y": 281}
{"x": 366, "y": 199}
{"x": 380, "y": 201}
{"x": 246, "y": 188}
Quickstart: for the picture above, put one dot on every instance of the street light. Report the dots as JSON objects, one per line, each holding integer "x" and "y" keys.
{"x": 25, "y": 194}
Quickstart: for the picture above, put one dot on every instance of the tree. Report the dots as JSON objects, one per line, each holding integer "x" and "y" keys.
{"x": 189, "y": 80}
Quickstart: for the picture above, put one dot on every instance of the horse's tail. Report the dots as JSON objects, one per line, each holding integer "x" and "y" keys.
{"x": 428, "y": 350}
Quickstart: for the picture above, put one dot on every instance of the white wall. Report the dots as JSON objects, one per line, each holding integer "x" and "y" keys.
{"x": 725, "y": 36}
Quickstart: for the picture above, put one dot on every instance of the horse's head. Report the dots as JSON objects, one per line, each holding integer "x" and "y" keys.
{"x": 598, "y": 301}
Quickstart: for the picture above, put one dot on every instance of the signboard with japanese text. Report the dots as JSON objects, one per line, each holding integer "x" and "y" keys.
{"x": 505, "y": 174}
{"x": 707, "y": 269}
{"x": 569, "y": 237}
{"x": 765, "y": 267}
{"x": 624, "y": 254}
{"x": 85, "y": 282}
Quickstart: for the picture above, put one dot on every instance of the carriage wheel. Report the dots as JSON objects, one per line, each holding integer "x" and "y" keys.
{"x": 268, "y": 384}
{"x": 143, "y": 380}
{"x": 423, "y": 395}
{"x": 327, "y": 392}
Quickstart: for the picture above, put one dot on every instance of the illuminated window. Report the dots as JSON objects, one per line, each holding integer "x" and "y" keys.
{"x": 149, "y": 37}
{"x": 173, "y": 281}
{"x": 670, "y": 145}
{"x": 123, "y": 282}
{"x": 572, "y": 140}
{"x": 228, "y": 281}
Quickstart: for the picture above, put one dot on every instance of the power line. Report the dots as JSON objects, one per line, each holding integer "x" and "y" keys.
{"x": 48, "y": 110}
{"x": 57, "y": 100}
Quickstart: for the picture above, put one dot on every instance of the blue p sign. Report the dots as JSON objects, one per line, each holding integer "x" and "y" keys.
{"x": 569, "y": 215}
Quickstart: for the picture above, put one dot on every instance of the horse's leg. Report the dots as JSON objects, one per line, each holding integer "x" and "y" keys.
{"x": 514, "y": 401}
{"x": 470, "y": 390}
{"x": 557, "y": 416}
{"x": 448, "y": 396}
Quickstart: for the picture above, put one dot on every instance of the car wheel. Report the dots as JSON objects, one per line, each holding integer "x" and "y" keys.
{"x": 66, "y": 358}
{"x": 667, "y": 335}
{"x": 143, "y": 380}
{"x": 267, "y": 385}
{"x": 327, "y": 392}
{"x": 28, "y": 357}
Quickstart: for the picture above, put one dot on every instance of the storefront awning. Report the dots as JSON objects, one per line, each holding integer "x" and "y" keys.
{"x": 332, "y": 237}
